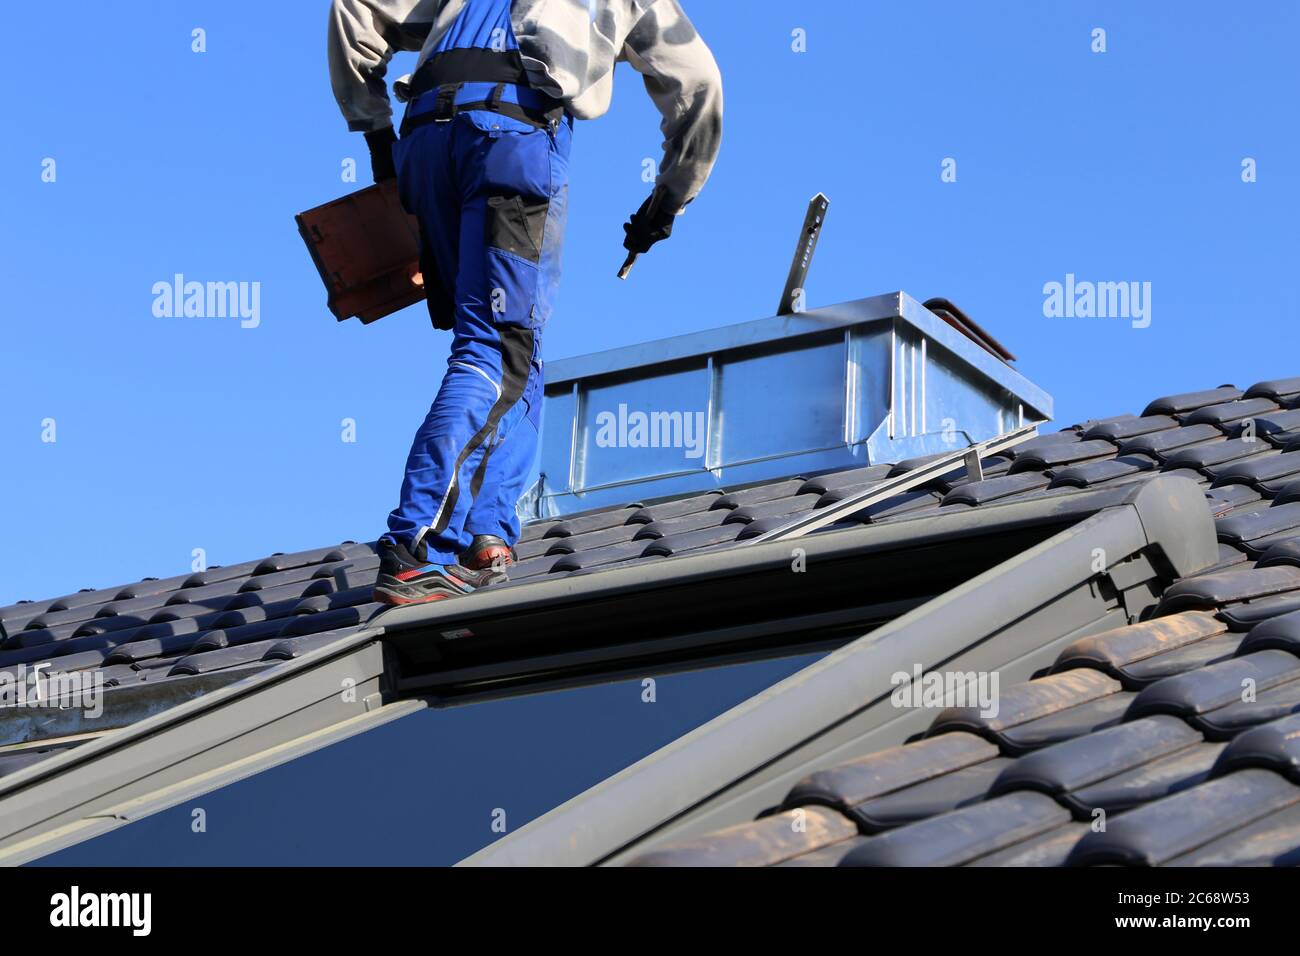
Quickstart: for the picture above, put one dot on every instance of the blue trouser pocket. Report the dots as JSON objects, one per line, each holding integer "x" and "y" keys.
{"x": 521, "y": 168}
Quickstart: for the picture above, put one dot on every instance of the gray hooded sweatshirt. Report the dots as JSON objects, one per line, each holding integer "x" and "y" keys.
{"x": 568, "y": 49}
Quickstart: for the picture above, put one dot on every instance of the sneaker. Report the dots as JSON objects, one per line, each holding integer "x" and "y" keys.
{"x": 487, "y": 551}
{"x": 406, "y": 579}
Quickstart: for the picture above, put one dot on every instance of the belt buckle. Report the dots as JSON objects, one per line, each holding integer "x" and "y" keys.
{"x": 444, "y": 104}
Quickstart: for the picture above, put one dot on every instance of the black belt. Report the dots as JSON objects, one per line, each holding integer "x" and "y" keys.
{"x": 445, "y": 107}
{"x": 468, "y": 64}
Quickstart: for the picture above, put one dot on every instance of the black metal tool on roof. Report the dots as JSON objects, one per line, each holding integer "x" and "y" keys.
{"x": 803, "y": 253}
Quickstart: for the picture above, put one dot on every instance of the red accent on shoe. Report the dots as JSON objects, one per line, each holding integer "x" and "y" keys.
{"x": 487, "y": 557}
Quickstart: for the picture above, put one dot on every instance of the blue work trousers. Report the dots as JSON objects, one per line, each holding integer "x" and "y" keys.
{"x": 490, "y": 192}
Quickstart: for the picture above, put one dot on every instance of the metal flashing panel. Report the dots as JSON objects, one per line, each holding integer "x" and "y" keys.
{"x": 873, "y": 380}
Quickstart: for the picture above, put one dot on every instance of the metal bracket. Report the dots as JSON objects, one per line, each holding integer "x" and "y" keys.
{"x": 803, "y": 253}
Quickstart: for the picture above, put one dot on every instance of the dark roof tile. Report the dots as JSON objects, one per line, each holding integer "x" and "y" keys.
{"x": 1115, "y": 652}
{"x": 1271, "y": 840}
{"x": 1286, "y": 551}
{"x": 1224, "y": 414}
{"x": 1278, "y": 633}
{"x": 1149, "y": 781}
{"x": 1270, "y": 704}
{"x": 1248, "y": 530}
{"x": 1286, "y": 491}
{"x": 1189, "y": 401}
{"x": 1245, "y": 616}
{"x": 592, "y": 522}
{"x": 236, "y": 635}
{"x": 1075, "y": 764}
{"x": 928, "y": 798}
{"x": 962, "y": 836}
{"x": 1208, "y": 454}
{"x": 1030, "y": 701}
{"x": 588, "y": 541}
{"x": 1050, "y": 848}
{"x": 610, "y": 554}
{"x": 1121, "y": 429}
{"x": 890, "y": 770}
{"x": 677, "y": 507}
{"x": 1210, "y": 591}
{"x": 1211, "y": 698}
{"x": 1278, "y": 389}
{"x": 1280, "y": 422}
{"x": 1161, "y": 444}
{"x": 349, "y": 617}
{"x": 758, "y": 494}
{"x": 1062, "y": 455}
{"x": 1186, "y": 658}
{"x": 1274, "y": 746}
{"x": 907, "y": 502}
{"x": 824, "y": 856}
{"x": 296, "y": 645}
{"x": 1047, "y": 440}
{"x": 777, "y": 507}
{"x": 299, "y": 559}
{"x": 1107, "y": 469}
{"x": 764, "y": 842}
{"x": 667, "y": 526}
{"x": 991, "y": 489}
{"x": 681, "y": 542}
{"x": 222, "y": 659}
{"x": 142, "y": 650}
{"x": 911, "y": 464}
{"x": 1164, "y": 829}
{"x": 854, "y": 478}
{"x": 1227, "y": 498}
{"x": 1083, "y": 718}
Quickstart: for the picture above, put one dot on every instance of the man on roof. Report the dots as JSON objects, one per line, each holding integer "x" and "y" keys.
{"x": 483, "y": 163}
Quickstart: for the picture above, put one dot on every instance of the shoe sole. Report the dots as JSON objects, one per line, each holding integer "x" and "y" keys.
{"x": 380, "y": 596}
{"x": 389, "y": 590}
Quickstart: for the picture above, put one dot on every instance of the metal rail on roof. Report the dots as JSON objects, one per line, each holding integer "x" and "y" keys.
{"x": 821, "y": 517}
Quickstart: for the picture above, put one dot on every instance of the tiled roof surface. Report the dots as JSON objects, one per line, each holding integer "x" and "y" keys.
{"x": 1173, "y": 741}
{"x": 175, "y": 638}
{"x": 194, "y": 632}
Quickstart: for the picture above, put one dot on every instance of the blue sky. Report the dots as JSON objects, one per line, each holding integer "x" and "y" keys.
{"x": 175, "y": 434}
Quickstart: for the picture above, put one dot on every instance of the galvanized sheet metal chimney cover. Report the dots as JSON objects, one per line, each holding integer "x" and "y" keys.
{"x": 874, "y": 380}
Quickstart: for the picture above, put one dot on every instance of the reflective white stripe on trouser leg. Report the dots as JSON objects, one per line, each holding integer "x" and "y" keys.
{"x": 419, "y": 536}
{"x": 485, "y": 375}
{"x": 455, "y": 474}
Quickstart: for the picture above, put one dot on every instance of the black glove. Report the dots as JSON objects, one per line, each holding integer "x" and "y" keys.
{"x": 647, "y": 226}
{"x": 381, "y": 143}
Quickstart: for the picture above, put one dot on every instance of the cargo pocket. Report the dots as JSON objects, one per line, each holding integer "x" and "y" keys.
{"x": 517, "y": 226}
